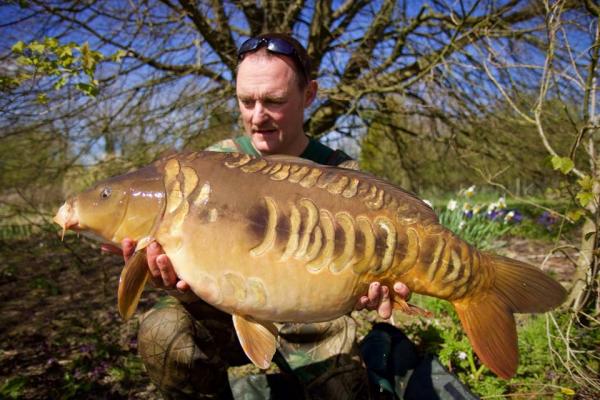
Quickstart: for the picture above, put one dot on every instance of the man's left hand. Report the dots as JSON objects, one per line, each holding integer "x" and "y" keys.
{"x": 378, "y": 298}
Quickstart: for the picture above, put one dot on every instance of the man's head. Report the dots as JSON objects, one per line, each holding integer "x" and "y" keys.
{"x": 273, "y": 89}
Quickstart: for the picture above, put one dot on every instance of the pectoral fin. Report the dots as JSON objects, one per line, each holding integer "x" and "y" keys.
{"x": 410, "y": 309}
{"x": 258, "y": 339}
{"x": 132, "y": 282}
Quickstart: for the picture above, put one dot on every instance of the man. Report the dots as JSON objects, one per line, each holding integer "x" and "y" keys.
{"x": 187, "y": 345}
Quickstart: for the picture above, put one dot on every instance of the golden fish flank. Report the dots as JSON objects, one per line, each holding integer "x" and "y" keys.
{"x": 312, "y": 237}
{"x": 325, "y": 244}
{"x": 270, "y": 233}
{"x": 310, "y": 221}
{"x": 282, "y": 173}
{"x": 413, "y": 249}
{"x": 367, "y": 260}
{"x": 249, "y": 291}
{"x": 347, "y": 223}
{"x": 307, "y": 177}
{"x": 299, "y": 174}
{"x": 238, "y": 160}
{"x": 255, "y": 166}
{"x": 190, "y": 181}
{"x": 233, "y": 290}
{"x": 337, "y": 229}
{"x": 352, "y": 189}
{"x": 203, "y": 195}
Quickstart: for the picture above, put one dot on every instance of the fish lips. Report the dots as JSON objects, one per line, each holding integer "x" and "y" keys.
{"x": 66, "y": 217}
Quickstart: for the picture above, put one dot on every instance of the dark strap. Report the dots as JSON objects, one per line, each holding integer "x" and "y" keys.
{"x": 337, "y": 157}
{"x": 319, "y": 153}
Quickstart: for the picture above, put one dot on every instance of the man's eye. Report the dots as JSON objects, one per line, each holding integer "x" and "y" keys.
{"x": 274, "y": 102}
{"x": 248, "y": 103}
{"x": 105, "y": 192}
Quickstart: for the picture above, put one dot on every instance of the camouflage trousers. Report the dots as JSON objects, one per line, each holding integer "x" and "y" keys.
{"x": 188, "y": 348}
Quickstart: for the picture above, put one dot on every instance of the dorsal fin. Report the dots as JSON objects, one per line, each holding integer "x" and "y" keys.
{"x": 283, "y": 158}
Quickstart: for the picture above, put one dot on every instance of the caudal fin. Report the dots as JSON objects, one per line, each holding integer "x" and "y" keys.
{"x": 487, "y": 317}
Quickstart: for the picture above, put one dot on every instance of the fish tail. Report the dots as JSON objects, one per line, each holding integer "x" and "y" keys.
{"x": 487, "y": 316}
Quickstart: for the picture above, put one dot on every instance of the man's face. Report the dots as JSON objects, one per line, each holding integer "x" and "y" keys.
{"x": 272, "y": 104}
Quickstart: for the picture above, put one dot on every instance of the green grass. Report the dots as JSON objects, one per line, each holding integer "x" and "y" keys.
{"x": 541, "y": 373}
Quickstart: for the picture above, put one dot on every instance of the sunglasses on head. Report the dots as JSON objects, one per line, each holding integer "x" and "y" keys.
{"x": 274, "y": 45}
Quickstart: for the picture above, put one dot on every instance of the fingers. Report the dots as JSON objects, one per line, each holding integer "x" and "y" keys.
{"x": 161, "y": 269}
{"x": 372, "y": 299}
{"x": 182, "y": 286}
{"x": 402, "y": 290}
{"x": 128, "y": 246}
{"x": 152, "y": 252}
{"x": 385, "y": 305}
{"x": 110, "y": 248}
{"x": 374, "y": 295}
{"x": 378, "y": 298}
{"x": 126, "y": 250}
{"x": 167, "y": 272}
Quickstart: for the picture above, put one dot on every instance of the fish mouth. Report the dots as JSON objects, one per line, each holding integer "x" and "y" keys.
{"x": 66, "y": 217}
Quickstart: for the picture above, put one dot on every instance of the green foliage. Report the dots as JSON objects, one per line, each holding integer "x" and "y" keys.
{"x": 584, "y": 190}
{"x": 539, "y": 373}
{"x": 12, "y": 388}
{"x": 584, "y": 197}
{"x": 379, "y": 155}
{"x": 63, "y": 63}
{"x": 444, "y": 336}
{"x": 562, "y": 164}
{"x": 15, "y": 231}
{"x": 39, "y": 177}
{"x": 428, "y": 158}
{"x": 479, "y": 224}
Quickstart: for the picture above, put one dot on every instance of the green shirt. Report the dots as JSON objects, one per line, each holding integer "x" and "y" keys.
{"x": 315, "y": 151}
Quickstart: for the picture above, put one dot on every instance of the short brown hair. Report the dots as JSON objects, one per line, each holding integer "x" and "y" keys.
{"x": 299, "y": 55}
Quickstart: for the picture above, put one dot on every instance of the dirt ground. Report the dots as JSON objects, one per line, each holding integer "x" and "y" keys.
{"x": 60, "y": 333}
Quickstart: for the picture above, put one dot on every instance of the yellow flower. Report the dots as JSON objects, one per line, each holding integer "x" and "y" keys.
{"x": 501, "y": 203}
{"x": 470, "y": 191}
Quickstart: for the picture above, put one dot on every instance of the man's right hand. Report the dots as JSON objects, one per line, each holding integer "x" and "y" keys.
{"x": 161, "y": 270}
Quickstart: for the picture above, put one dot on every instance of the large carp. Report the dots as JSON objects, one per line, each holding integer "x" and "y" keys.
{"x": 282, "y": 239}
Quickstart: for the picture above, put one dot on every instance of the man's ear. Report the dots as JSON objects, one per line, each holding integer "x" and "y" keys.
{"x": 310, "y": 92}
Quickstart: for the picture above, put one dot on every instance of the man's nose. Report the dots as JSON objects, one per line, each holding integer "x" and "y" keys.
{"x": 259, "y": 114}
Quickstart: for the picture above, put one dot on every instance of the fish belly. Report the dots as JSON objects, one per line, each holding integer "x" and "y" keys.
{"x": 280, "y": 291}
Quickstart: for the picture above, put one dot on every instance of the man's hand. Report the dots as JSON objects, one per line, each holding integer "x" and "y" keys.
{"x": 161, "y": 270}
{"x": 378, "y": 298}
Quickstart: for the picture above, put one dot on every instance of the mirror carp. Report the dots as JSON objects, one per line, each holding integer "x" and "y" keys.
{"x": 283, "y": 239}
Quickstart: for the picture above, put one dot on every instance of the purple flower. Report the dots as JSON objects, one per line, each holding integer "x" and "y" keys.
{"x": 493, "y": 214}
{"x": 548, "y": 219}
{"x": 87, "y": 348}
{"x": 99, "y": 370}
{"x": 513, "y": 216}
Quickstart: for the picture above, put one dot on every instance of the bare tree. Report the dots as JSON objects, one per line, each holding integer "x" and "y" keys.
{"x": 360, "y": 49}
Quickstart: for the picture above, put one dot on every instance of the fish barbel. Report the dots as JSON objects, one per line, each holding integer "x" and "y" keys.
{"x": 282, "y": 239}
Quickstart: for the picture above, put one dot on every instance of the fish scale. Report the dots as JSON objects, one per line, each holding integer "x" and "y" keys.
{"x": 281, "y": 239}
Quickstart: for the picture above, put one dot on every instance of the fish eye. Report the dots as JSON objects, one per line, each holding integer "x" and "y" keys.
{"x": 105, "y": 192}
